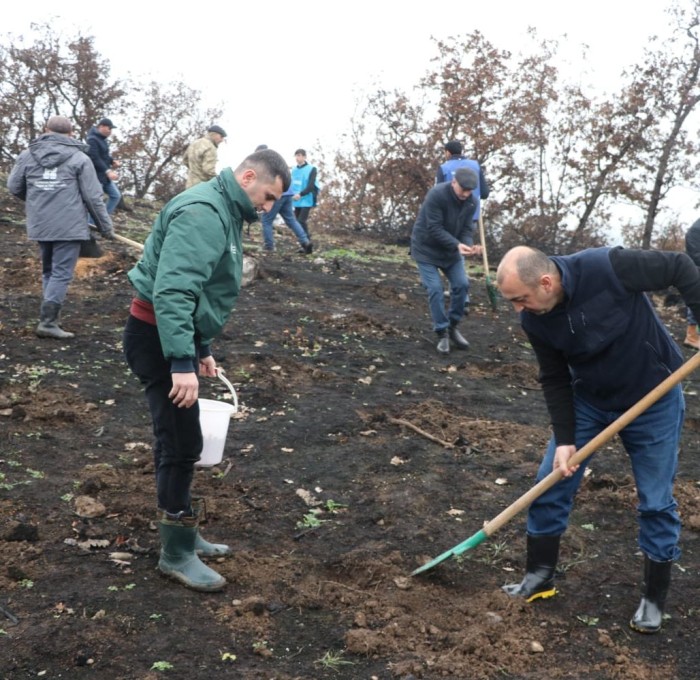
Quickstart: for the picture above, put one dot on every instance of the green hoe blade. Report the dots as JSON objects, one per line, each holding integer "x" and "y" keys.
{"x": 471, "y": 542}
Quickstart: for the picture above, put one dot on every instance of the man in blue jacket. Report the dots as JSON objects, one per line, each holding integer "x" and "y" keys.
{"x": 186, "y": 284}
{"x": 439, "y": 242}
{"x": 601, "y": 348}
{"x": 305, "y": 187}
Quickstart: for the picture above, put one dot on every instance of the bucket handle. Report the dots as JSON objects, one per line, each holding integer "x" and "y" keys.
{"x": 220, "y": 375}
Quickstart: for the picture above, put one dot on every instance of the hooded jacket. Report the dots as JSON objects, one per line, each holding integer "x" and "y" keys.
{"x": 58, "y": 182}
{"x": 192, "y": 264}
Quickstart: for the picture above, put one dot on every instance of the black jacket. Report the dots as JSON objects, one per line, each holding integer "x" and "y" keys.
{"x": 98, "y": 150}
{"x": 444, "y": 221}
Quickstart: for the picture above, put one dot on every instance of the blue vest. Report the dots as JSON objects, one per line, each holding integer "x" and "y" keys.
{"x": 616, "y": 347}
{"x": 300, "y": 178}
{"x": 448, "y": 170}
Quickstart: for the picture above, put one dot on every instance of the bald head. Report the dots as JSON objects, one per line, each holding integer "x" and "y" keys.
{"x": 527, "y": 263}
{"x": 529, "y": 280}
{"x": 60, "y": 125}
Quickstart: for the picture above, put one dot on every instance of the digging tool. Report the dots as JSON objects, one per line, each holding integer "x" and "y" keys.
{"x": 490, "y": 288}
{"x": 128, "y": 241}
{"x": 553, "y": 477}
{"x": 118, "y": 237}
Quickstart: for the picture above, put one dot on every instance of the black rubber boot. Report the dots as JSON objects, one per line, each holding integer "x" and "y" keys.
{"x": 650, "y": 613}
{"x": 202, "y": 547}
{"x": 178, "y": 558}
{"x": 443, "y": 345}
{"x": 48, "y": 322}
{"x": 458, "y": 339}
{"x": 542, "y": 558}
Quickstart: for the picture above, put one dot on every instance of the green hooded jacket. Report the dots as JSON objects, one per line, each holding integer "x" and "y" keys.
{"x": 192, "y": 263}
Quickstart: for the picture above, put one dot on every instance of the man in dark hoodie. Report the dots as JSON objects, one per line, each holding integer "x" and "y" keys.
{"x": 58, "y": 182}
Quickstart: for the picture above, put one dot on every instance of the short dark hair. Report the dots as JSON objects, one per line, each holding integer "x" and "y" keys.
{"x": 301, "y": 151}
{"x": 454, "y": 147}
{"x": 269, "y": 165}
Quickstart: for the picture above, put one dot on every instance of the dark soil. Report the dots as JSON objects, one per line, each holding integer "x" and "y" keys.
{"x": 328, "y": 353}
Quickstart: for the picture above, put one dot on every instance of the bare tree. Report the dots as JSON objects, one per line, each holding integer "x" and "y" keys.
{"x": 162, "y": 120}
{"x": 47, "y": 75}
{"x": 670, "y": 78}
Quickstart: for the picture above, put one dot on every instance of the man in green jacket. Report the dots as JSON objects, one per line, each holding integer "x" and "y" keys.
{"x": 187, "y": 282}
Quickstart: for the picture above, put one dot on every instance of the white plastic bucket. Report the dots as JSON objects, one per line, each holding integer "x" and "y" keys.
{"x": 214, "y": 417}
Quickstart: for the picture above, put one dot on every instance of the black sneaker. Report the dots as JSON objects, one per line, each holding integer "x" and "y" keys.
{"x": 307, "y": 248}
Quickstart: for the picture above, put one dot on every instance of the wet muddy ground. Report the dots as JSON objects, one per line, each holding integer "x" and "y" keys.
{"x": 358, "y": 454}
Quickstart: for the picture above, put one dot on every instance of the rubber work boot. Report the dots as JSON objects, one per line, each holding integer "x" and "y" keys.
{"x": 178, "y": 559}
{"x": 692, "y": 339}
{"x": 48, "y": 322}
{"x": 459, "y": 340}
{"x": 542, "y": 557}
{"x": 202, "y": 547}
{"x": 650, "y": 613}
{"x": 443, "y": 345}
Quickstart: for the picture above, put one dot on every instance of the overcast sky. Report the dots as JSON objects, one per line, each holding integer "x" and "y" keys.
{"x": 289, "y": 73}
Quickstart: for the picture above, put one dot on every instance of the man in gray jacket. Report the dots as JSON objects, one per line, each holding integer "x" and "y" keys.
{"x": 57, "y": 180}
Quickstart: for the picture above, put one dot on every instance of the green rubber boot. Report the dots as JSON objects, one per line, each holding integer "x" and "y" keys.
{"x": 201, "y": 546}
{"x": 542, "y": 558}
{"x": 178, "y": 558}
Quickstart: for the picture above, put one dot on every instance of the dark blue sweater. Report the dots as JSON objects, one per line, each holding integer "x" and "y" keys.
{"x": 605, "y": 342}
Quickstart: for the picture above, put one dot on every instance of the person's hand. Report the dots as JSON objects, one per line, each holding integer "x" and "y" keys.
{"x": 296, "y": 197}
{"x": 114, "y": 176}
{"x": 185, "y": 389}
{"x": 562, "y": 454}
{"x": 108, "y": 234}
{"x": 468, "y": 250}
{"x": 207, "y": 367}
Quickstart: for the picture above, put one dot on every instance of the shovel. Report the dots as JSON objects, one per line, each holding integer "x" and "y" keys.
{"x": 117, "y": 237}
{"x": 490, "y": 288}
{"x": 553, "y": 477}
{"x": 128, "y": 241}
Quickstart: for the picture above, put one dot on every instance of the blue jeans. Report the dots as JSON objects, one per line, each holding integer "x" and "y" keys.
{"x": 651, "y": 442}
{"x": 58, "y": 260}
{"x": 459, "y": 287}
{"x": 282, "y": 206}
{"x": 177, "y": 432}
{"x": 113, "y": 197}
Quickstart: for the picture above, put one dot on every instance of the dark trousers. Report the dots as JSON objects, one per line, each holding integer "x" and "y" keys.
{"x": 177, "y": 432}
{"x": 302, "y": 215}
